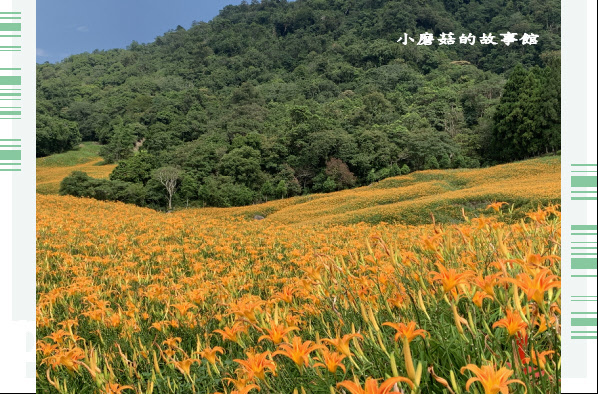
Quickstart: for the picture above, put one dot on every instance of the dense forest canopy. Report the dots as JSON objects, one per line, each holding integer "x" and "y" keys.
{"x": 273, "y": 99}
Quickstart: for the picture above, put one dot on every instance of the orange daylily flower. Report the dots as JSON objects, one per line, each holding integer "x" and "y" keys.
{"x": 185, "y": 365}
{"x": 538, "y": 359}
{"x": 210, "y": 353}
{"x": 496, "y": 205}
{"x": 298, "y": 351}
{"x": 67, "y": 358}
{"x": 115, "y": 388}
{"x": 487, "y": 283}
{"x": 58, "y": 336}
{"x": 450, "y": 278}
{"x": 542, "y": 323}
{"x": 492, "y": 381}
{"x": 183, "y": 307}
{"x": 513, "y": 323}
{"x": 46, "y": 348}
{"x": 232, "y": 333}
{"x": 479, "y": 297}
{"x": 257, "y": 365}
{"x": 342, "y": 344}
{"x": 407, "y": 331}
{"x": 277, "y": 333}
{"x": 247, "y": 309}
{"x": 286, "y": 294}
{"x": 535, "y": 287}
{"x": 160, "y": 326}
{"x": 538, "y": 216}
{"x": 371, "y": 385}
{"x": 331, "y": 361}
{"x": 172, "y": 342}
{"x": 242, "y": 383}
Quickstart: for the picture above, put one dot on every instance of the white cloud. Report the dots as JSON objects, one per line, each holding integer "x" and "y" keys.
{"x": 82, "y": 29}
{"x": 41, "y": 53}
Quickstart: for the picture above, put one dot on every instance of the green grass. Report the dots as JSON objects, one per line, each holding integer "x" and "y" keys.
{"x": 85, "y": 152}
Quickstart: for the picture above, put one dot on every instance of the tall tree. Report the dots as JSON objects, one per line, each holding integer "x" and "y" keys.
{"x": 508, "y": 141}
{"x": 169, "y": 178}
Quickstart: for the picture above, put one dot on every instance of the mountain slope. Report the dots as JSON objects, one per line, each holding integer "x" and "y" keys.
{"x": 409, "y": 199}
{"x": 276, "y": 99}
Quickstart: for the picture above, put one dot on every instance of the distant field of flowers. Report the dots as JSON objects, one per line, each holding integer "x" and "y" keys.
{"x": 51, "y": 170}
{"x": 130, "y": 300}
{"x": 411, "y": 198}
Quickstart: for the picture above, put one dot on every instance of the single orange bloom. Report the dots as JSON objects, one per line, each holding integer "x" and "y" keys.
{"x": 371, "y": 385}
{"x": 286, "y": 294}
{"x": 513, "y": 323}
{"x": 185, "y": 365}
{"x": 247, "y": 309}
{"x": 183, "y": 307}
{"x": 535, "y": 287}
{"x": 210, "y": 353}
{"x": 538, "y": 359}
{"x": 172, "y": 342}
{"x": 242, "y": 384}
{"x": 407, "y": 331}
{"x": 493, "y": 381}
{"x": 496, "y": 205}
{"x": 298, "y": 351}
{"x": 331, "y": 361}
{"x": 246, "y": 389}
{"x": 487, "y": 283}
{"x": 232, "y": 333}
{"x": 479, "y": 297}
{"x": 45, "y": 348}
{"x": 67, "y": 358}
{"x": 277, "y": 333}
{"x": 342, "y": 344}
{"x": 542, "y": 323}
{"x": 58, "y": 336}
{"x": 160, "y": 326}
{"x": 449, "y": 278}
{"x": 257, "y": 365}
{"x": 538, "y": 216}
{"x": 115, "y": 388}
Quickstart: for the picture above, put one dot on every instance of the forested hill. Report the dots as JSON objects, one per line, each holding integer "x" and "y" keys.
{"x": 274, "y": 98}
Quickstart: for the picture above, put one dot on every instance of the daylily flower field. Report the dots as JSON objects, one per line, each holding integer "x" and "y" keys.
{"x": 130, "y": 300}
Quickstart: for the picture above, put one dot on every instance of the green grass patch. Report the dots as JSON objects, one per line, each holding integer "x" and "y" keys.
{"x": 86, "y": 152}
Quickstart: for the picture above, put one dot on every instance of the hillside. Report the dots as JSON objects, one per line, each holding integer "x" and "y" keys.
{"x": 408, "y": 199}
{"x": 276, "y": 99}
{"x": 130, "y": 299}
{"x": 51, "y": 170}
{"x": 411, "y": 199}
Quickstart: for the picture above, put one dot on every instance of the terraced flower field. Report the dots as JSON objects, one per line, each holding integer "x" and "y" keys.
{"x": 413, "y": 198}
{"x": 51, "y": 170}
{"x": 312, "y": 299}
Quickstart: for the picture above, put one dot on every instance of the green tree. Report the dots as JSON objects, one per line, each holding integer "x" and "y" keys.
{"x": 243, "y": 164}
{"x": 282, "y": 189}
{"x": 527, "y": 120}
{"x": 120, "y": 145}
{"x": 135, "y": 169}
{"x": 55, "y": 135}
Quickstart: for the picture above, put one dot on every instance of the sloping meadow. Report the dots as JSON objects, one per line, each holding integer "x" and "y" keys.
{"x": 412, "y": 199}
{"x": 206, "y": 301}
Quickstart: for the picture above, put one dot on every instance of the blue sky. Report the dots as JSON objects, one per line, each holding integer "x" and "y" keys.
{"x": 66, "y": 27}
